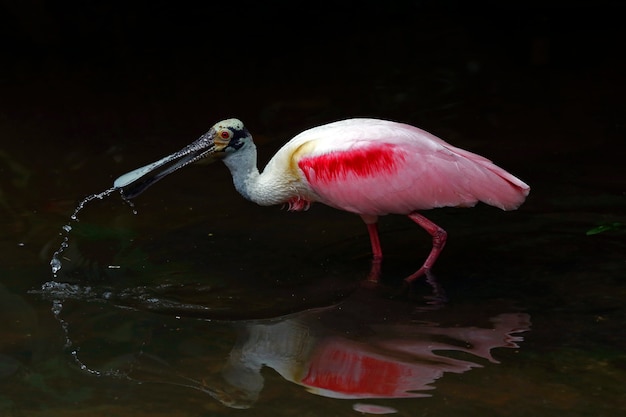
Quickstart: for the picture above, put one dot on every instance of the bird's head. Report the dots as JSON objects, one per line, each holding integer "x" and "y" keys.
{"x": 226, "y": 137}
{"x": 223, "y": 139}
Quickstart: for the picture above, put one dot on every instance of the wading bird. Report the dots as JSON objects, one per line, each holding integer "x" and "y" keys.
{"x": 369, "y": 167}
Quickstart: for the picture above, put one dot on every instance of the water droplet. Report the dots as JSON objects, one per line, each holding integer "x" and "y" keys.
{"x": 57, "y": 307}
{"x": 55, "y": 263}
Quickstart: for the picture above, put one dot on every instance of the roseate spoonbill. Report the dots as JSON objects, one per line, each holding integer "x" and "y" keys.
{"x": 369, "y": 167}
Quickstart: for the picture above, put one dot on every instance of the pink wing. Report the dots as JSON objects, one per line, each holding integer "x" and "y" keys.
{"x": 389, "y": 167}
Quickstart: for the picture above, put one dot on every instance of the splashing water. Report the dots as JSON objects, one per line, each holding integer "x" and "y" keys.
{"x": 55, "y": 262}
{"x": 57, "y": 308}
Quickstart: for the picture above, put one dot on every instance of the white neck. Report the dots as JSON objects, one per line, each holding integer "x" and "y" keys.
{"x": 264, "y": 189}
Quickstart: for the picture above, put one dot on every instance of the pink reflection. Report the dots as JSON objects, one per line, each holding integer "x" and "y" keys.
{"x": 389, "y": 361}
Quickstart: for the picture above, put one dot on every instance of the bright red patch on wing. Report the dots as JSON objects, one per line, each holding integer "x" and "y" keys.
{"x": 362, "y": 162}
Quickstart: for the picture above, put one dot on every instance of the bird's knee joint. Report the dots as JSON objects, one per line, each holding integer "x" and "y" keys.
{"x": 439, "y": 238}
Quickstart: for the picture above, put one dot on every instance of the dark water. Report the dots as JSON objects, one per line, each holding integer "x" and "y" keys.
{"x": 203, "y": 304}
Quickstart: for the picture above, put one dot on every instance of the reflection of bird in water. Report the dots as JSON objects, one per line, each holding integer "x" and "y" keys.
{"x": 366, "y": 347}
{"x": 365, "y": 166}
{"x": 392, "y": 361}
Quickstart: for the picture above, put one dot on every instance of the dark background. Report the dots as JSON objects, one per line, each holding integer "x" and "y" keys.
{"x": 87, "y": 69}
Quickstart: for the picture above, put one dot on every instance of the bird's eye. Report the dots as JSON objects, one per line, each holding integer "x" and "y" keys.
{"x": 225, "y": 134}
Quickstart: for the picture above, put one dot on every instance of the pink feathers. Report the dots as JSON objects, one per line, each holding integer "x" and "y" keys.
{"x": 403, "y": 170}
{"x": 376, "y": 167}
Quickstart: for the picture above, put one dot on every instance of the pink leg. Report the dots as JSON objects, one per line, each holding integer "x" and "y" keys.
{"x": 439, "y": 240}
{"x": 377, "y": 252}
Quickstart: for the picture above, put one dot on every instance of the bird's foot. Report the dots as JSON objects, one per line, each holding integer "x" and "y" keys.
{"x": 434, "y": 300}
{"x": 423, "y": 271}
{"x": 374, "y": 275}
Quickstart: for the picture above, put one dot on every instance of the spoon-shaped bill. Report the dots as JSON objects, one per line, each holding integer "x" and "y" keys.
{"x": 137, "y": 181}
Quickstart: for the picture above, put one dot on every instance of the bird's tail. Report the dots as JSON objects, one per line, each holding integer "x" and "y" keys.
{"x": 502, "y": 190}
